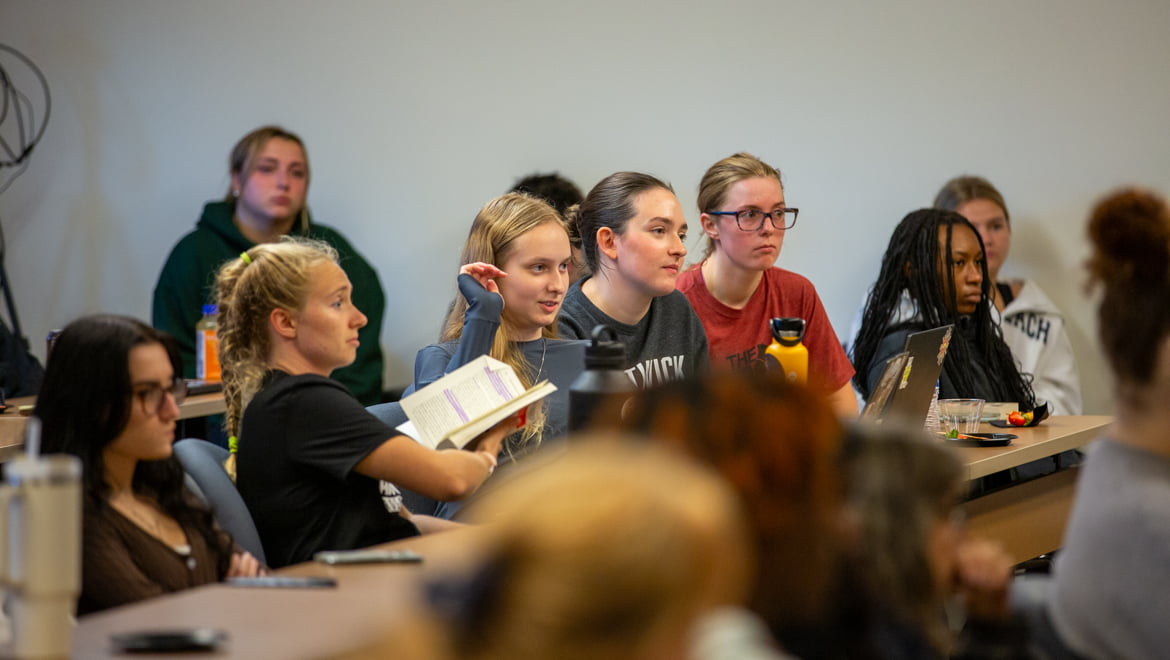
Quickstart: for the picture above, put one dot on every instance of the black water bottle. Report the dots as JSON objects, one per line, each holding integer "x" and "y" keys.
{"x": 604, "y": 376}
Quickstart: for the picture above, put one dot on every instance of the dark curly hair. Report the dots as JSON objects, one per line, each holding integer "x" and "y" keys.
{"x": 778, "y": 445}
{"x": 553, "y": 188}
{"x": 1130, "y": 262}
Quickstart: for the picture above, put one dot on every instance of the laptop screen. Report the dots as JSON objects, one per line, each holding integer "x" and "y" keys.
{"x": 907, "y": 383}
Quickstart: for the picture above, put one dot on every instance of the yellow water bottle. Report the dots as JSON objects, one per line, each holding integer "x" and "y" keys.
{"x": 786, "y": 352}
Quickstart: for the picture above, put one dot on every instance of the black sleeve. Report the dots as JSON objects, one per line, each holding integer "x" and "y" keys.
{"x": 20, "y": 372}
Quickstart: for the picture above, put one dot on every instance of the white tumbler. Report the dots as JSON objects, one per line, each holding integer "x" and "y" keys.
{"x": 40, "y": 554}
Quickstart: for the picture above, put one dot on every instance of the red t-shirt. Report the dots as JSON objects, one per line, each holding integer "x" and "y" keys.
{"x": 737, "y": 338}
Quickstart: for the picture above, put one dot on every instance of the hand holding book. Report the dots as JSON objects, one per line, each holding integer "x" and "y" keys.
{"x": 454, "y": 410}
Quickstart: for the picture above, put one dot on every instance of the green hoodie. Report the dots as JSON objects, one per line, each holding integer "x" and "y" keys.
{"x": 188, "y": 278}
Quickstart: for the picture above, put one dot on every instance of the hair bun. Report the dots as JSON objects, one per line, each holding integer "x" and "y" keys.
{"x": 1130, "y": 232}
{"x": 572, "y": 222}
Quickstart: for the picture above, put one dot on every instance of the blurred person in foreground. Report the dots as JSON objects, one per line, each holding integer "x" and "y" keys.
{"x": 614, "y": 549}
{"x": 1111, "y": 582}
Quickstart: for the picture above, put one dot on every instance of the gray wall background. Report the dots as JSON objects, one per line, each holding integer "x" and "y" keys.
{"x": 415, "y": 114}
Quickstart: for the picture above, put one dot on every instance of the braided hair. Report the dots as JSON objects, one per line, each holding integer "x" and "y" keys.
{"x": 911, "y": 264}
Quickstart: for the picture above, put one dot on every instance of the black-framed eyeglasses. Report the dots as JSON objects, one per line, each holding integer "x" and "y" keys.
{"x": 152, "y": 395}
{"x": 753, "y": 219}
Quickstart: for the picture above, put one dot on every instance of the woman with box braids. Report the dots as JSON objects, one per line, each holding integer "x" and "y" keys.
{"x": 935, "y": 262}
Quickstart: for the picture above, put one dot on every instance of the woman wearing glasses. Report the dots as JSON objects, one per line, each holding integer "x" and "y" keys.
{"x": 111, "y": 397}
{"x": 633, "y": 237}
{"x": 737, "y": 288}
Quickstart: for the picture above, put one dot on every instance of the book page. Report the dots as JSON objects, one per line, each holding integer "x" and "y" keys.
{"x": 459, "y": 437}
{"x": 462, "y": 396}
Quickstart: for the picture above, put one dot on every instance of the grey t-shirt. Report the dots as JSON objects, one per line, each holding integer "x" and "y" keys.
{"x": 1111, "y": 582}
{"x": 667, "y": 344}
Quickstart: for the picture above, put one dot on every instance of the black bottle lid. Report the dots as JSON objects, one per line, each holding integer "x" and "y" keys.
{"x": 787, "y": 331}
{"x": 606, "y": 351}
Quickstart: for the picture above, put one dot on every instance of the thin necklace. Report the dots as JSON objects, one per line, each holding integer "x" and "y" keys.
{"x": 543, "y": 351}
{"x": 149, "y": 524}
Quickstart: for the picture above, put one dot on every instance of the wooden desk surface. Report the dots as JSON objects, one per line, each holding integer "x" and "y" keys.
{"x": 289, "y": 623}
{"x": 12, "y": 423}
{"x": 1029, "y": 518}
{"x": 1056, "y": 434}
{"x": 303, "y": 623}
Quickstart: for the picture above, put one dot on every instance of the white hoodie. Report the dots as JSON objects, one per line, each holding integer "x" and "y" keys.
{"x": 1034, "y": 329}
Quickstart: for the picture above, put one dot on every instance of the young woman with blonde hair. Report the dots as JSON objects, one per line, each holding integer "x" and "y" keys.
{"x": 310, "y": 456}
{"x": 737, "y": 287}
{"x": 512, "y": 280}
{"x": 588, "y": 559}
{"x": 266, "y": 199}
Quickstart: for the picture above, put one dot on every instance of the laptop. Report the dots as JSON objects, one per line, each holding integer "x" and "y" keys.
{"x": 907, "y": 383}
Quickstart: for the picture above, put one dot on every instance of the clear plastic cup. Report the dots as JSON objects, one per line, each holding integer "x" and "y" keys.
{"x": 959, "y": 414}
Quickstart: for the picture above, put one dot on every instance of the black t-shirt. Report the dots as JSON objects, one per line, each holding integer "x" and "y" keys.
{"x": 300, "y": 438}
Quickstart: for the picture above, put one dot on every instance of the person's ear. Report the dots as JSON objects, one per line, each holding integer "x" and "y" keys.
{"x": 283, "y": 323}
{"x": 607, "y": 242}
{"x": 710, "y": 226}
{"x": 907, "y": 270}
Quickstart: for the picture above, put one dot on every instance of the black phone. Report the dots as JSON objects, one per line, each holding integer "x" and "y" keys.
{"x": 166, "y": 641}
{"x": 283, "y": 582}
{"x": 984, "y": 439}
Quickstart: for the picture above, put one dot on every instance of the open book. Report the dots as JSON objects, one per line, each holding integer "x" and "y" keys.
{"x": 455, "y": 409}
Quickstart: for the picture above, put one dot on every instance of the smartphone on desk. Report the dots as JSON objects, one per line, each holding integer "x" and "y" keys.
{"x": 283, "y": 582}
{"x": 168, "y": 641}
{"x": 337, "y": 557}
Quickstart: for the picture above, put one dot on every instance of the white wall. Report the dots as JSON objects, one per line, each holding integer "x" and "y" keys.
{"x": 417, "y": 113}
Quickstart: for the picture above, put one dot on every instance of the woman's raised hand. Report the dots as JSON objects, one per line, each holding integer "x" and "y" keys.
{"x": 485, "y": 274}
{"x": 491, "y": 440}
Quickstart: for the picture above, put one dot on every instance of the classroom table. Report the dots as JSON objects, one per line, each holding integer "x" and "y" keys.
{"x": 286, "y": 623}
{"x": 12, "y": 422}
{"x": 1028, "y": 518}
{"x": 290, "y": 623}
